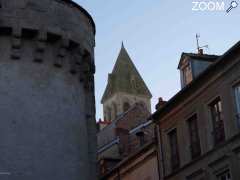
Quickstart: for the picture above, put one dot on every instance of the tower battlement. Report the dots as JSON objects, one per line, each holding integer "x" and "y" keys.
{"x": 49, "y": 48}
{"x": 65, "y": 18}
{"x": 47, "y": 107}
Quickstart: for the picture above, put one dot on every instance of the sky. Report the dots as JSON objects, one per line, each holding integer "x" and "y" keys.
{"x": 155, "y": 33}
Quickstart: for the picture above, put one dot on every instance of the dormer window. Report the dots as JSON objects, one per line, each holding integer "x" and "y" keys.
{"x": 109, "y": 114}
{"x": 192, "y": 65}
{"x": 187, "y": 74}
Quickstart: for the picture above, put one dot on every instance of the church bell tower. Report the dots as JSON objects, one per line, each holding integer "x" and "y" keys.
{"x": 125, "y": 88}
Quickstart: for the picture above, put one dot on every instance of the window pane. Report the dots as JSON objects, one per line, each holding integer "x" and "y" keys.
{"x": 174, "y": 149}
{"x": 237, "y": 99}
{"x": 195, "y": 146}
{"x": 217, "y": 120}
{"x": 187, "y": 74}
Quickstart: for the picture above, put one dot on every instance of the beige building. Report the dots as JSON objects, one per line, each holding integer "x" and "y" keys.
{"x": 199, "y": 128}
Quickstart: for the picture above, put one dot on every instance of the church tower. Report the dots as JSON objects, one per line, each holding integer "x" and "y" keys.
{"x": 47, "y": 107}
{"x": 125, "y": 88}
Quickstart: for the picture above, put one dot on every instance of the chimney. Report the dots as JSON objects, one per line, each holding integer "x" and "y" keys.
{"x": 200, "y": 51}
{"x": 140, "y": 135}
{"x": 160, "y": 103}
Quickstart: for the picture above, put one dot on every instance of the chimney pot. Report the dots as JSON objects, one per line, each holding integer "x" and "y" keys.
{"x": 160, "y": 103}
{"x": 200, "y": 51}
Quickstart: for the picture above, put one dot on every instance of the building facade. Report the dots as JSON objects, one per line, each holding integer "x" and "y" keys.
{"x": 47, "y": 107}
{"x": 198, "y": 129}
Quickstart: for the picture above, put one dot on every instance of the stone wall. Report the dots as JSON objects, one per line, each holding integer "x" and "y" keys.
{"x": 47, "y": 102}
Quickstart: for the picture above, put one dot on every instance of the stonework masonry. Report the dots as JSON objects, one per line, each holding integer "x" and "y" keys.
{"x": 47, "y": 105}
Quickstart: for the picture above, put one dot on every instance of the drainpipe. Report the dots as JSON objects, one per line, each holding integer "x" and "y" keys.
{"x": 161, "y": 163}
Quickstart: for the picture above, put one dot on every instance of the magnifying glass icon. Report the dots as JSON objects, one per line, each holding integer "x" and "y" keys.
{"x": 233, "y": 4}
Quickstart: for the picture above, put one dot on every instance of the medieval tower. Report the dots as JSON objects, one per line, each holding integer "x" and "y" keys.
{"x": 47, "y": 106}
{"x": 125, "y": 87}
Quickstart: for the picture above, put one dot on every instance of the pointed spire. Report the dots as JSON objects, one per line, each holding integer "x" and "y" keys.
{"x": 122, "y": 56}
{"x": 123, "y": 50}
{"x": 121, "y": 77}
{"x": 123, "y": 45}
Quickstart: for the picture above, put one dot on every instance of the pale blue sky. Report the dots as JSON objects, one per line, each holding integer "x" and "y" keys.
{"x": 155, "y": 33}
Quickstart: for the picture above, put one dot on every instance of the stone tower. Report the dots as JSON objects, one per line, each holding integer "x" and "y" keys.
{"x": 125, "y": 87}
{"x": 47, "y": 106}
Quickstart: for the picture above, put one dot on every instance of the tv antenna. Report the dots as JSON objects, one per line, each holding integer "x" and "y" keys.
{"x": 200, "y": 48}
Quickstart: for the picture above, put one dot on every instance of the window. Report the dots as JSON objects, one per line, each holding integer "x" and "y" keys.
{"x": 141, "y": 103}
{"x": 237, "y": 99}
{"x": 114, "y": 106}
{"x": 109, "y": 114}
{"x": 105, "y": 115}
{"x": 126, "y": 106}
{"x": 187, "y": 74}
{"x": 224, "y": 176}
{"x": 194, "y": 137}
{"x": 134, "y": 83}
{"x": 141, "y": 137}
{"x": 175, "y": 162}
{"x": 217, "y": 121}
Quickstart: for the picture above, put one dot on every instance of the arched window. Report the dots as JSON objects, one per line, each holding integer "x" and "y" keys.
{"x": 126, "y": 106}
{"x": 114, "y": 108}
{"x": 141, "y": 103}
{"x": 105, "y": 115}
{"x": 109, "y": 114}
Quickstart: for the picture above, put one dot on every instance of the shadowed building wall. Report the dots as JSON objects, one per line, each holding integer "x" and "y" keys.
{"x": 47, "y": 107}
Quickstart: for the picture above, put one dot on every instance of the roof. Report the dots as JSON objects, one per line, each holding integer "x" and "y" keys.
{"x": 200, "y": 57}
{"x": 138, "y": 115}
{"x": 132, "y": 131}
{"x": 129, "y": 158}
{"x": 74, "y": 4}
{"x": 122, "y": 77}
{"x": 198, "y": 82}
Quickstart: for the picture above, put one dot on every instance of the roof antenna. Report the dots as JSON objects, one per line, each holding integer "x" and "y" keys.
{"x": 200, "y": 48}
